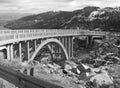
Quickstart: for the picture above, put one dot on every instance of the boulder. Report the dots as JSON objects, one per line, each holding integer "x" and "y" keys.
{"x": 102, "y": 78}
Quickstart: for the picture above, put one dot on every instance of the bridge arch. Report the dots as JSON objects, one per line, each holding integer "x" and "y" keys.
{"x": 52, "y": 40}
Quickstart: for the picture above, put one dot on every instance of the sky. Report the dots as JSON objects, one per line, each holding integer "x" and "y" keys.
{"x": 38, "y": 6}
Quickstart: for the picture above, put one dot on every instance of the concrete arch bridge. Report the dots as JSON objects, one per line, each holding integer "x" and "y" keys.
{"x": 28, "y": 45}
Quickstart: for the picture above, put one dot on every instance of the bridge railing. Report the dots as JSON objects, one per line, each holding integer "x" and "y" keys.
{"x": 10, "y": 36}
{"x": 47, "y": 31}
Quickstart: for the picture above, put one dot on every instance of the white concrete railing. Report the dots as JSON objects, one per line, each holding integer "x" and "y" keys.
{"x": 11, "y": 36}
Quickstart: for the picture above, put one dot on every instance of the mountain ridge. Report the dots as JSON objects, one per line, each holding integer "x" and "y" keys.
{"x": 106, "y": 19}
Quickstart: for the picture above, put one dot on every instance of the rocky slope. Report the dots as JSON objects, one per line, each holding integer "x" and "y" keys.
{"x": 92, "y": 18}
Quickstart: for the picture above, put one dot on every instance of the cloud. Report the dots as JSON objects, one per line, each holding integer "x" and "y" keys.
{"x": 5, "y": 1}
{"x": 37, "y": 6}
{"x": 63, "y": 0}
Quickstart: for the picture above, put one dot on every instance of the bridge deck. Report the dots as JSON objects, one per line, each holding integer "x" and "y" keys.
{"x": 11, "y": 36}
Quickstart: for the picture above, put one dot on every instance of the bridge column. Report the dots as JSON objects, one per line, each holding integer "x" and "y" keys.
{"x": 63, "y": 41}
{"x": 20, "y": 51}
{"x": 67, "y": 45}
{"x": 38, "y": 42}
{"x": 90, "y": 39}
{"x": 27, "y": 49}
{"x": 34, "y": 45}
{"x": 87, "y": 41}
{"x": 27, "y": 57}
{"x": 10, "y": 52}
{"x": 71, "y": 47}
{"x": 72, "y": 38}
{"x": 60, "y": 39}
{"x": 59, "y": 50}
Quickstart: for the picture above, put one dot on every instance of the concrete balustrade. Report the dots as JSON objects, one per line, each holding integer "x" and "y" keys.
{"x": 9, "y": 36}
